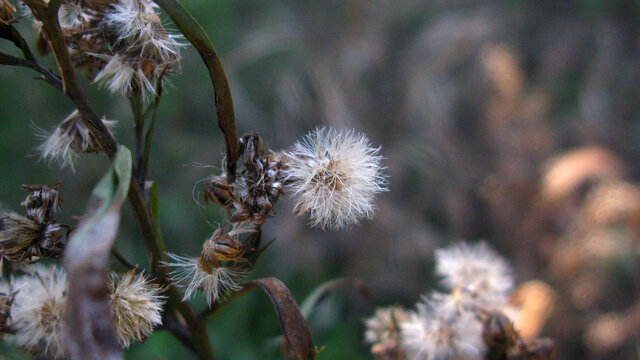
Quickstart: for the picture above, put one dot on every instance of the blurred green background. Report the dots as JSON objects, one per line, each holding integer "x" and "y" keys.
{"x": 469, "y": 100}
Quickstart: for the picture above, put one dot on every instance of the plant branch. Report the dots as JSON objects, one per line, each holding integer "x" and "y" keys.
{"x": 155, "y": 245}
{"x": 138, "y": 127}
{"x": 148, "y": 136}
{"x": 71, "y": 87}
{"x": 29, "y": 61}
{"x": 48, "y": 14}
{"x": 224, "y": 104}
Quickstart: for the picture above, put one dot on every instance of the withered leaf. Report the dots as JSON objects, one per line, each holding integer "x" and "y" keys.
{"x": 292, "y": 322}
{"x": 88, "y": 320}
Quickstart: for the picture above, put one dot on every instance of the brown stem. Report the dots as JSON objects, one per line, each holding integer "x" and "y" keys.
{"x": 10, "y": 33}
{"x": 224, "y": 104}
{"x": 71, "y": 87}
{"x": 155, "y": 245}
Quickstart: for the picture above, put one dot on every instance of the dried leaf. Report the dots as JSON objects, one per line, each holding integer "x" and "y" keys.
{"x": 292, "y": 322}
{"x": 88, "y": 318}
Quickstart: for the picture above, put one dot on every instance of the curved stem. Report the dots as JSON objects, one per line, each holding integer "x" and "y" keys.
{"x": 224, "y": 104}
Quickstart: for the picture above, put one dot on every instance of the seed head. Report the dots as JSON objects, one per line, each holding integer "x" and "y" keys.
{"x": 70, "y": 138}
{"x": 428, "y": 335}
{"x": 475, "y": 274}
{"x": 334, "y": 175}
{"x": 42, "y": 202}
{"x": 136, "y": 304}
{"x": 195, "y": 273}
{"x": 37, "y": 311}
{"x": 385, "y": 324}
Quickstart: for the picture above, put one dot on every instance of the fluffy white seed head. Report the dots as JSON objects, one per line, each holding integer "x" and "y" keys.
{"x": 189, "y": 273}
{"x": 143, "y": 50}
{"x": 118, "y": 76}
{"x": 475, "y": 274}
{"x": 38, "y": 309}
{"x": 385, "y": 324}
{"x": 428, "y": 335}
{"x": 136, "y": 305}
{"x": 71, "y": 138}
{"x": 334, "y": 175}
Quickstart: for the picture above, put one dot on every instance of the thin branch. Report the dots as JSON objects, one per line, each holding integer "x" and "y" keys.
{"x": 155, "y": 245}
{"x": 138, "y": 127}
{"x": 152, "y": 126}
{"x": 29, "y": 61}
{"x": 224, "y": 104}
{"x": 51, "y": 25}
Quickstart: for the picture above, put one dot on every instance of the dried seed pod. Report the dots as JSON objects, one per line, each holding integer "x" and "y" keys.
{"x": 217, "y": 190}
{"x": 222, "y": 247}
{"x": 70, "y": 138}
{"x": 24, "y": 240}
{"x": 261, "y": 181}
{"x": 42, "y": 202}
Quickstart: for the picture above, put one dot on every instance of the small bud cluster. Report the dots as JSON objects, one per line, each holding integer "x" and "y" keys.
{"x": 118, "y": 43}
{"x": 465, "y": 322}
{"x": 334, "y": 175}
{"x": 32, "y": 309}
{"x": 70, "y": 138}
{"x": 224, "y": 261}
{"x": 30, "y": 238}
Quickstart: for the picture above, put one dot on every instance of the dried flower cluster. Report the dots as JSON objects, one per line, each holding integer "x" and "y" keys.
{"x": 118, "y": 43}
{"x": 32, "y": 309}
{"x": 219, "y": 268}
{"x": 37, "y": 235}
{"x": 334, "y": 175}
{"x": 69, "y": 139}
{"x": 466, "y": 322}
{"x": 37, "y": 311}
{"x": 136, "y": 305}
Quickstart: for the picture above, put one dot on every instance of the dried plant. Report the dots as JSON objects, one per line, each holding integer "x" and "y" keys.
{"x": 467, "y": 321}
{"x": 88, "y": 311}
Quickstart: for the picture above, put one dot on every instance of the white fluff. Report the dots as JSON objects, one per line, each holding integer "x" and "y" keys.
{"x": 334, "y": 175}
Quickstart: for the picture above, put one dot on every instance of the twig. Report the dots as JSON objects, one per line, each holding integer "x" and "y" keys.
{"x": 224, "y": 104}
{"x": 48, "y": 14}
{"x": 10, "y": 33}
{"x": 152, "y": 126}
{"x": 138, "y": 127}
